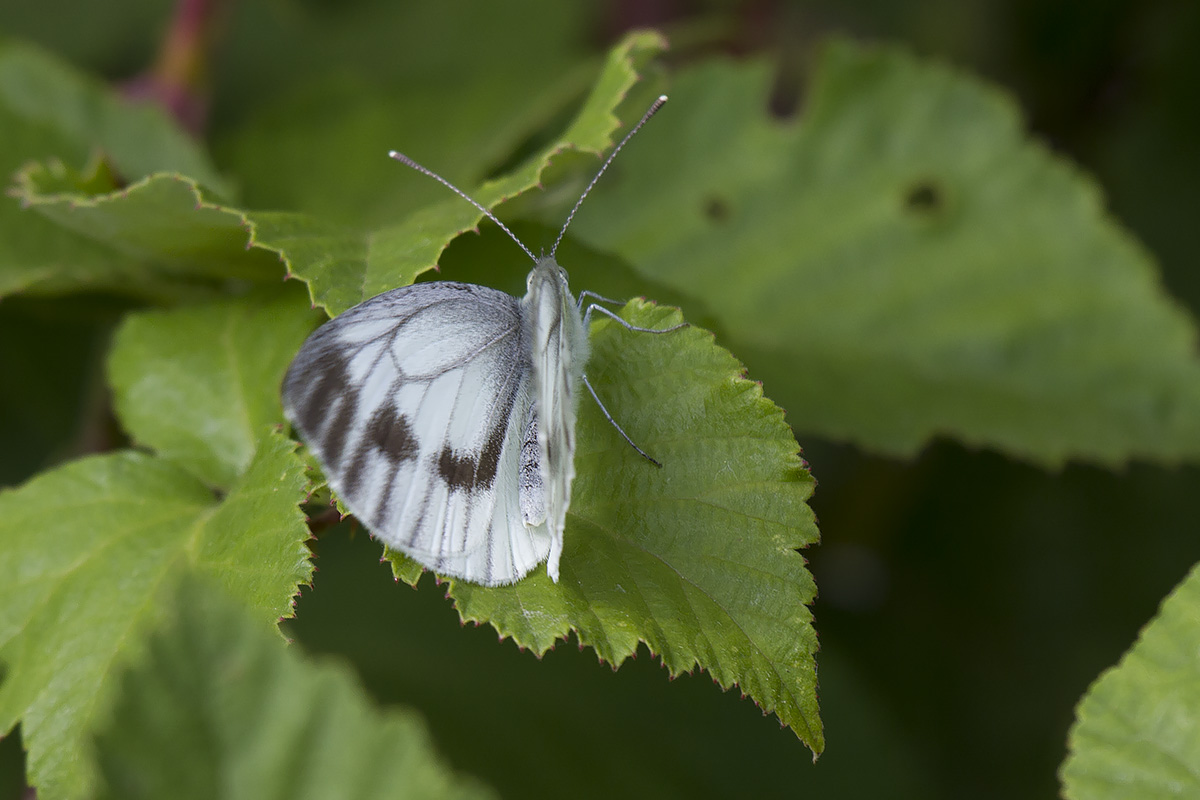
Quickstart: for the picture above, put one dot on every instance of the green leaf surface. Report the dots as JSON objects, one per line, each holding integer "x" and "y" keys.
{"x": 343, "y": 268}
{"x": 221, "y": 708}
{"x": 198, "y": 384}
{"x": 86, "y": 552}
{"x": 457, "y": 85}
{"x": 325, "y": 152}
{"x": 696, "y": 559}
{"x": 161, "y": 230}
{"x": 905, "y": 262}
{"x": 50, "y": 112}
{"x": 77, "y": 112}
{"x": 1137, "y": 730}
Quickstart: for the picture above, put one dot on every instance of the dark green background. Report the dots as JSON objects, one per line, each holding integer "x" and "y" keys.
{"x": 966, "y": 601}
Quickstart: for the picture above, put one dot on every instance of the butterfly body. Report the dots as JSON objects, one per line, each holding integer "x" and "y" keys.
{"x": 443, "y": 413}
{"x": 560, "y": 351}
{"x": 444, "y": 416}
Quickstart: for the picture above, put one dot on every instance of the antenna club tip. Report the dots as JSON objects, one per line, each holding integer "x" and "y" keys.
{"x": 662, "y": 98}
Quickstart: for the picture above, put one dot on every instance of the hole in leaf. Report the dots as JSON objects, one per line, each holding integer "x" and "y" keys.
{"x": 716, "y": 209}
{"x": 925, "y": 197}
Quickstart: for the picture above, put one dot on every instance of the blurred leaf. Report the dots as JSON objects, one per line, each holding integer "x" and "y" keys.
{"x": 696, "y": 559}
{"x": 198, "y": 384}
{"x": 343, "y": 268}
{"x": 1137, "y": 730}
{"x": 65, "y": 109}
{"x": 630, "y": 731}
{"x": 221, "y": 708}
{"x": 457, "y": 85}
{"x": 162, "y": 229}
{"x": 906, "y": 263}
{"x": 50, "y": 113}
{"x": 34, "y": 252}
{"x": 85, "y": 553}
{"x": 120, "y": 31}
{"x": 326, "y": 152}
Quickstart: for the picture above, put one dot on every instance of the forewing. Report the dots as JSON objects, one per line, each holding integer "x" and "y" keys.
{"x": 415, "y": 403}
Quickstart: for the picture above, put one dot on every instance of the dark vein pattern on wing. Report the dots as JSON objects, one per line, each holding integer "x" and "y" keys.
{"x": 407, "y": 400}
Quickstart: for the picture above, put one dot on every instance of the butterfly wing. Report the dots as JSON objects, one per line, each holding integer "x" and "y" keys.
{"x": 418, "y": 404}
{"x": 559, "y": 351}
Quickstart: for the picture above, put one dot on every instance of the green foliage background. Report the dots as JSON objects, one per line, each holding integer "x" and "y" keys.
{"x": 994, "y": 380}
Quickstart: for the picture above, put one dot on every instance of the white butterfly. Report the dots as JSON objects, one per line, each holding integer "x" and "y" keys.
{"x": 443, "y": 413}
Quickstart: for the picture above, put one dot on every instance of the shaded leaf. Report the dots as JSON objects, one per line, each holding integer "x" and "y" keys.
{"x": 198, "y": 384}
{"x": 86, "y": 551}
{"x": 630, "y": 731}
{"x": 696, "y": 559}
{"x": 343, "y": 268}
{"x": 325, "y": 152}
{"x": 459, "y": 86}
{"x": 1137, "y": 730}
{"x": 905, "y": 262}
{"x": 221, "y": 708}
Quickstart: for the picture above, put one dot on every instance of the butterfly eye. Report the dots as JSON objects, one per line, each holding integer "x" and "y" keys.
{"x": 562, "y": 273}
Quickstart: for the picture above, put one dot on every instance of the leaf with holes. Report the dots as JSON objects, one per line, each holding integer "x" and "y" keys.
{"x": 905, "y": 261}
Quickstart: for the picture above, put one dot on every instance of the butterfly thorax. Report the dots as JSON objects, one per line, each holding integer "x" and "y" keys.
{"x": 554, "y": 324}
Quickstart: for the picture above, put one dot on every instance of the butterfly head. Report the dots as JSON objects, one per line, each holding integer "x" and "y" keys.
{"x": 546, "y": 271}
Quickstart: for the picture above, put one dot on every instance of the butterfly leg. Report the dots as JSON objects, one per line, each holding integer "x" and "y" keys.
{"x": 613, "y": 422}
{"x": 587, "y": 318}
{"x": 586, "y": 294}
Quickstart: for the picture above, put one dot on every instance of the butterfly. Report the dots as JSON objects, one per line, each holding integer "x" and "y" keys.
{"x": 443, "y": 413}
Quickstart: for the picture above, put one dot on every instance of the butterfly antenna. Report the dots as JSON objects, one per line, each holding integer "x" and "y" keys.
{"x": 662, "y": 98}
{"x": 403, "y": 159}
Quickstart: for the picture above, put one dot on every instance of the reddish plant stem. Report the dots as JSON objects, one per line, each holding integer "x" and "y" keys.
{"x": 178, "y": 80}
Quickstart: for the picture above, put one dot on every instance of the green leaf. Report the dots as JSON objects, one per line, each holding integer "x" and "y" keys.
{"x": 199, "y": 384}
{"x": 325, "y": 152}
{"x": 696, "y": 559}
{"x": 74, "y": 110}
{"x": 86, "y": 552}
{"x": 905, "y": 262}
{"x": 1137, "y": 730}
{"x": 50, "y": 112}
{"x": 221, "y": 708}
{"x": 163, "y": 231}
{"x": 36, "y": 254}
{"x": 458, "y": 85}
{"x": 343, "y": 267}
